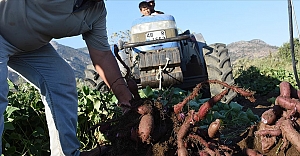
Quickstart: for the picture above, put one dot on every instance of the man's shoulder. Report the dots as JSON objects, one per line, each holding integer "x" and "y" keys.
{"x": 159, "y": 12}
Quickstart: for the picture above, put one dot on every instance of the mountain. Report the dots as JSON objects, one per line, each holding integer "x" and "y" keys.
{"x": 79, "y": 58}
{"x": 252, "y": 49}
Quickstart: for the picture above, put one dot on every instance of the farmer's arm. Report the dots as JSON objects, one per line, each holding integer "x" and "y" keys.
{"x": 107, "y": 67}
{"x": 103, "y": 59}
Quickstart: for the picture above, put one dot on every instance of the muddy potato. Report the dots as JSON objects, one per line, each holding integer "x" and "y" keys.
{"x": 214, "y": 128}
{"x": 145, "y": 127}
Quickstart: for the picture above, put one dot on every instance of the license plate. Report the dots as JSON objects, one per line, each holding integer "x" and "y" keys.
{"x": 156, "y": 35}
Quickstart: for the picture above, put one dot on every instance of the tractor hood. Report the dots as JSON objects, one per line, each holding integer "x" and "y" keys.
{"x": 152, "y": 23}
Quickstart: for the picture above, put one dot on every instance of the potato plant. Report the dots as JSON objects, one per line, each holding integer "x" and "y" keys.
{"x": 26, "y": 131}
{"x": 94, "y": 107}
{"x": 266, "y": 73}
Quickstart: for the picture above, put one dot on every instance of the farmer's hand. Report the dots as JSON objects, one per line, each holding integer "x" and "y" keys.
{"x": 125, "y": 107}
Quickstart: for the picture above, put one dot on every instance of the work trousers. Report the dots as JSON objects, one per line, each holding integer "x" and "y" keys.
{"x": 55, "y": 80}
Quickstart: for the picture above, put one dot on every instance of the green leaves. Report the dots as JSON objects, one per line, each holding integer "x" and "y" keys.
{"x": 25, "y": 124}
{"x": 285, "y": 50}
{"x": 260, "y": 82}
{"x": 235, "y": 106}
{"x": 232, "y": 114}
{"x": 147, "y": 92}
{"x": 252, "y": 116}
{"x": 234, "y": 119}
{"x": 93, "y": 108}
{"x": 10, "y": 110}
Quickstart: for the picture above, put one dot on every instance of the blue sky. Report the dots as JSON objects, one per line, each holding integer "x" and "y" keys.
{"x": 223, "y": 21}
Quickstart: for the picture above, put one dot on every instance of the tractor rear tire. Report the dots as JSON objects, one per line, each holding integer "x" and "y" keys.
{"x": 219, "y": 68}
{"x": 92, "y": 79}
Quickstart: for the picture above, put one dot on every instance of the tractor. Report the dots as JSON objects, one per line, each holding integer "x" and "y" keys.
{"x": 159, "y": 56}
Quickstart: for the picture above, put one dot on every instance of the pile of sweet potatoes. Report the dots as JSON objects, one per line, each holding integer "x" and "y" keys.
{"x": 281, "y": 122}
{"x": 209, "y": 138}
{"x": 153, "y": 128}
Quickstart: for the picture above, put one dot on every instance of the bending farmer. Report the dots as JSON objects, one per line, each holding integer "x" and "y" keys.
{"x": 26, "y": 28}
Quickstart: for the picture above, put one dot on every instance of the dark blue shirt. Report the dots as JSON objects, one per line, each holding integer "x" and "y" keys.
{"x": 82, "y": 5}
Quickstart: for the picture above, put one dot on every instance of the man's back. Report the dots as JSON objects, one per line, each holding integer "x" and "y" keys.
{"x": 31, "y": 24}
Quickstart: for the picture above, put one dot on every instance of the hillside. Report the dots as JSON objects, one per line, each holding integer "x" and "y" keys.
{"x": 79, "y": 58}
{"x": 76, "y": 58}
{"x": 252, "y": 49}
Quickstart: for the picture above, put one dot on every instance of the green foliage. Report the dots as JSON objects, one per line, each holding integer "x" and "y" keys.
{"x": 232, "y": 114}
{"x": 261, "y": 81}
{"x": 234, "y": 118}
{"x": 25, "y": 124}
{"x": 169, "y": 96}
{"x": 93, "y": 108}
{"x": 263, "y": 75}
{"x": 285, "y": 50}
{"x": 26, "y": 131}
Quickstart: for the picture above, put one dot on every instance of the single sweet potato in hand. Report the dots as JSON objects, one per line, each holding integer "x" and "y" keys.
{"x": 146, "y": 127}
{"x": 144, "y": 109}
